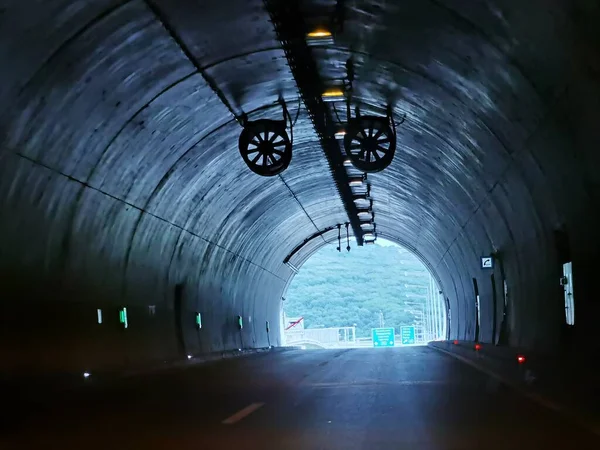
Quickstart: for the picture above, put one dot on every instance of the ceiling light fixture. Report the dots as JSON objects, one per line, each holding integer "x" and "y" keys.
{"x": 356, "y": 181}
{"x": 340, "y": 134}
{"x": 362, "y": 198}
{"x": 319, "y": 36}
{"x": 334, "y": 94}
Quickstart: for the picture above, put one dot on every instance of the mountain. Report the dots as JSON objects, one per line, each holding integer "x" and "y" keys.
{"x": 336, "y": 289}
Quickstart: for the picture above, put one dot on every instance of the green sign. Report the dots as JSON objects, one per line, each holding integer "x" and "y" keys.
{"x": 407, "y": 335}
{"x": 123, "y": 317}
{"x": 383, "y": 337}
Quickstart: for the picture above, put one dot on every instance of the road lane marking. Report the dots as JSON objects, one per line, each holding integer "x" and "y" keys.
{"x": 242, "y": 413}
{"x": 565, "y": 411}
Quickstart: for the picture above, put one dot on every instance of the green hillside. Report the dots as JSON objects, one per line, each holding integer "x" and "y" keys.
{"x": 342, "y": 289}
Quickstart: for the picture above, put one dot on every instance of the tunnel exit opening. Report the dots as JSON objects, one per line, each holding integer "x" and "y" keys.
{"x": 380, "y": 295}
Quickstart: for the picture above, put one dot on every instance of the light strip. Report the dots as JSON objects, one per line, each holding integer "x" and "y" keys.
{"x": 333, "y": 95}
{"x": 340, "y": 134}
{"x": 319, "y": 34}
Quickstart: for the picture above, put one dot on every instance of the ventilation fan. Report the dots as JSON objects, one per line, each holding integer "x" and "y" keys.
{"x": 266, "y": 147}
{"x": 370, "y": 142}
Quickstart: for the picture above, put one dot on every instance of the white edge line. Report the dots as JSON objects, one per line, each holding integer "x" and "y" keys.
{"x": 242, "y": 413}
{"x": 540, "y": 400}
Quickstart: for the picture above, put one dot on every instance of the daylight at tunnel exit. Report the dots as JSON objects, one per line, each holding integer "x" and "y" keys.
{"x": 299, "y": 224}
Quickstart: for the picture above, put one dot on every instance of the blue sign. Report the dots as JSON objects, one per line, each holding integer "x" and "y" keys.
{"x": 487, "y": 262}
{"x": 383, "y": 337}
{"x": 407, "y": 335}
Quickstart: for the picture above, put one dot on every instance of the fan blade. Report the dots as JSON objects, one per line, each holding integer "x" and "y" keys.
{"x": 256, "y": 159}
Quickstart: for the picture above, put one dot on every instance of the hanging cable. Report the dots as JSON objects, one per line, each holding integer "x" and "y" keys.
{"x": 286, "y": 117}
{"x": 298, "y": 111}
{"x": 347, "y": 237}
{"x": 339, "y": 247}
{"x": 336, "y": 114}
{"x": 395, "y": 124}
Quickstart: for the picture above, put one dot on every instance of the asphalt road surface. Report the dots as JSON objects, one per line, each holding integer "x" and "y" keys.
{"x": 397, "y": 398}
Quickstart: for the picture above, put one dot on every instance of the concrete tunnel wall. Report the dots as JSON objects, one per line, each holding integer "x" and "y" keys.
{"x": 120, "y": 177}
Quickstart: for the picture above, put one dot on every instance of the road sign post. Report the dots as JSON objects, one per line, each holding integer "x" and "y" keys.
{"x": 407, "y": 335}
{"x": 383, "y": 337}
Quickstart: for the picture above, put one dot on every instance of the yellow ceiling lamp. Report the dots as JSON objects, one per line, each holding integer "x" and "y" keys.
{"x": 334, "y": 94}
{"x": 319, "y": 36}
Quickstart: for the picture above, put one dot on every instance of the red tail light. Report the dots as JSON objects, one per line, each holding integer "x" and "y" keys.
{"x": 521, "y": 359}
{"x": 477, "y": 347}
{"x": 455, "y": 342}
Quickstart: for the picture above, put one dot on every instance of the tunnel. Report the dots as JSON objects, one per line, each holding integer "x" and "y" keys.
{"x": 133, "y": 230}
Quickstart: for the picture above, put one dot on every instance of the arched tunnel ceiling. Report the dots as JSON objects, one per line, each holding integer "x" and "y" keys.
{"x": 122, "y": 118}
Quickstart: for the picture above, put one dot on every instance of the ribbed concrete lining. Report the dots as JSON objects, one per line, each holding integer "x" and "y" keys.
{"x": 120, "y": 175}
